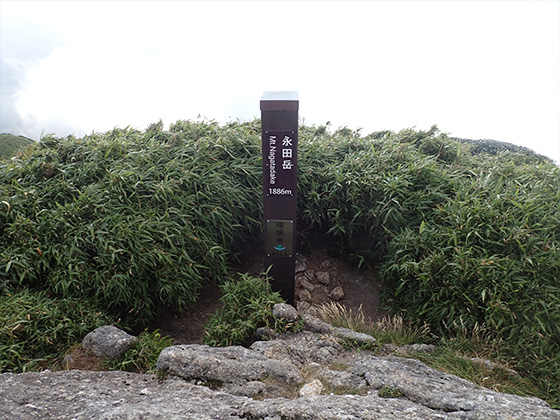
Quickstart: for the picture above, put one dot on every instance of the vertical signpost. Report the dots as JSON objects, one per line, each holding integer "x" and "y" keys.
{"x": 279, "y": 116}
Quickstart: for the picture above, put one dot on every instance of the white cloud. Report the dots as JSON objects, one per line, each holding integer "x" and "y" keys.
{"x": 477, "y": 69}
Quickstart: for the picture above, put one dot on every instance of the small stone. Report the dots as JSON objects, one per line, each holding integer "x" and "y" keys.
{"x": 285, "y": 311}
{"x": 488, "y": 364}
{"x": 422, "y": 348}
{"x": 359, "y": 338}
{"x": 264, "y": 333}
{"x": 301, "y": 263}
{"x": 316, "y": 325}
{"x": 303, "y": 306}
{"x": 337, "y": 293}
{"x": 304, "y": 295}
{"x": 306, "y": 285}
{"x": 309, "y": 274}
{"x": 67, "y": 361}
{"x": 325, "y": 264}
{"x": 323, "y": 277}
{"x": 108, "y": 341}
{"x": 312, "y": 388}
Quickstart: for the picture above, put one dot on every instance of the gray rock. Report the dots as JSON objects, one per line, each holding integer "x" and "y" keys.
{"x": 342, "y": 381}
{"x": 354, "y": 337}
{"x": 337, "y": 293}
{"x": 304, "y": 295}
{"x": 303, "y": 306}
{"x": 340, "y": 407}
{"x": 108, "y": 341}
{"x": 316, "y": 325}
{"x": 306, "y": 284}
{"x": 301, "y": 263}
{"x": 301, "y": 349}
{"x": 285, "y": 311}
{"x": 323, "y": 277}
{"x": 408, "y": 349}
{"x": 312, "y": 388}
{"x": 489, "y": 365}
{"x": 448, "y": 393}
{"x": 422, "y": 348}
{"x": 264, "y": 333}
{"x": 219, "y": 382}
{"x": 428, "y": 395}
{"x": 229, "y": 367}
{"x": 86, "y": 395}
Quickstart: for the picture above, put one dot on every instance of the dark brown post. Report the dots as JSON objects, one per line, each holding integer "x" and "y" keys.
{"x": 279, "y": 116}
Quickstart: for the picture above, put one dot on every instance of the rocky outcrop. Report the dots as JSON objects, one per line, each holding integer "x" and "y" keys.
{"x": 235, "y": 369}
{"x": 86, "y": 395}
{"x": 314, "y": 374}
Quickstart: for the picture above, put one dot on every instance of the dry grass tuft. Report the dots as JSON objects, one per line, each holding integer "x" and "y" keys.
{"x": 387, "y": 330}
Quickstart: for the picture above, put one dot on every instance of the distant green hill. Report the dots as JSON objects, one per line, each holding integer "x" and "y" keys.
{"x": 10, "y": 143}
{"x": 494, "y": 147}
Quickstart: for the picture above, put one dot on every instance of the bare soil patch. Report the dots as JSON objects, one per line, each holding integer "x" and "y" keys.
{"x": 360, "y": 287}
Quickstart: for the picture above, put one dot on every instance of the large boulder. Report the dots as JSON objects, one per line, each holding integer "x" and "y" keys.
{"x": 234, "y": 369}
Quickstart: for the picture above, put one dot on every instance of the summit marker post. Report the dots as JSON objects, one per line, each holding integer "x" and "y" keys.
{"x": 279, "y": 117}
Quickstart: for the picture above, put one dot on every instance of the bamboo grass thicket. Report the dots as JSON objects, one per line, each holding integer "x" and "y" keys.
{"x": 134, "y": 222}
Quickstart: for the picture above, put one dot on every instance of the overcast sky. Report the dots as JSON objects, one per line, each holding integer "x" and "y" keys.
{"x": 477, "y": 69}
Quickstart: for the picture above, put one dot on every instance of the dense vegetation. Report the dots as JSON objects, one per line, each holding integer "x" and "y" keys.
{"x": 246, "y": 305}
{"x": 130, "y": 222}
{"x": 9, "y": 144}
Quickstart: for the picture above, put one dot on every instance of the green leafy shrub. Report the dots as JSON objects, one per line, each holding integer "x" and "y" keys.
{"x": 36, "y": 329}
{"x": 462, "y": 237}
{"x": 143, "y": 355}
{"x": 131, "y": 221}
{"x": 362, "y": 191}
{"x": 490, "y": 256}
{"x": 246, "y": 305}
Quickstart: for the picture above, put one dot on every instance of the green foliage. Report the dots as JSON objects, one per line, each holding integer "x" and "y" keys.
{"x": 455, "y": 356}
{"x": 282, "y": 325}
{"x": 246, "y": 305}
{"x": 489, "y": 256}
{"x": 133, "y": 221}
{"x": 143, "y": 355}
{"x": 9, "y": 144}
{"x": 362, "y": 191}
{"x": 461, "y": 236}
{"x": 350, "y": 344}
{"x": 464, "y": 233}
{"x": 493, "y": 147}
{"x": 389, "y": 392}
{"x": 387, "y": 330}
{"x": 35, "y": 328}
